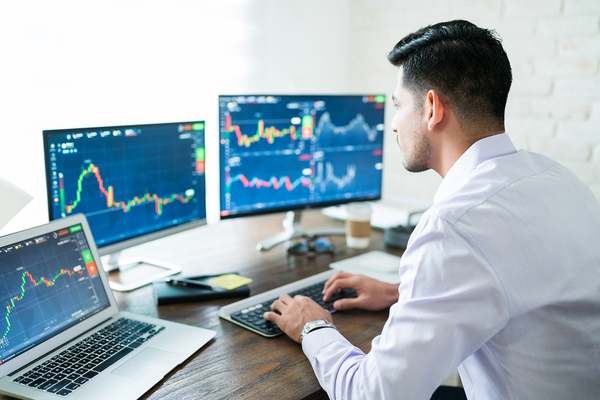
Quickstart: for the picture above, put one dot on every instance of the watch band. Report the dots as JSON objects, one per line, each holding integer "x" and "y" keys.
{"x": 314, "y": 325}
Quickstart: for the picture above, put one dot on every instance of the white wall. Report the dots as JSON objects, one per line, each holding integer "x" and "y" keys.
{"x": 85, "y": 63}
{"x": 69, "y": 64}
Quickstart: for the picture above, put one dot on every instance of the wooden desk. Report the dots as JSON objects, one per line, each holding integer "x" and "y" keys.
{"x": 237, "y": 363}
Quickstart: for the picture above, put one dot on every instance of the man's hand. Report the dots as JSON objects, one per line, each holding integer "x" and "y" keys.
{"x": 373, "y": 295}
{"x": 295, "y": 313}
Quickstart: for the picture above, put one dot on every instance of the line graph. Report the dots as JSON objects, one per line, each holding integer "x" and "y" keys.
{"x": 329, "y": 176}
{"x": 126, "y": 206}
{"x": 357, "y": 123}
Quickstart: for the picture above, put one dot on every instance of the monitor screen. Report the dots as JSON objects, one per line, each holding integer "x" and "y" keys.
{"x": 293, "y": 152}
{"x": 134, "y": 183}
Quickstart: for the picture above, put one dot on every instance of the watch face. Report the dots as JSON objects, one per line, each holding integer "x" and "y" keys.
{"x": 318, "y": 322}
{"x": 312, "y": 325}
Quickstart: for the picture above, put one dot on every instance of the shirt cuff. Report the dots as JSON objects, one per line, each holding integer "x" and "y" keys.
{"x": 319, "y": 339}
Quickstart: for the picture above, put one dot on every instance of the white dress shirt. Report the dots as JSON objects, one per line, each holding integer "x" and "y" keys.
{"x": 501, "y": 278}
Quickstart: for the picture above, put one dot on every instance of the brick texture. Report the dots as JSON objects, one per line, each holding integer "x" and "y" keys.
{"x": 554, "y": 48}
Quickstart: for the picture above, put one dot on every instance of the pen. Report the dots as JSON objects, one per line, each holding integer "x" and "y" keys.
{"x": 188, "y": 282}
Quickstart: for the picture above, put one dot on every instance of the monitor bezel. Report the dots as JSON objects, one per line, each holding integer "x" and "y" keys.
{"x": 298, "y": 207}
{"x": 115, "y": 247}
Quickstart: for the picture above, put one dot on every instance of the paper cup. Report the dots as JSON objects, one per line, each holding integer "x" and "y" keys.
{"x": 358, "y": 225}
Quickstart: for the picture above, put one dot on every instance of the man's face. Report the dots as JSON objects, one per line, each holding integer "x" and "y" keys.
{"x": 410, "y": 127}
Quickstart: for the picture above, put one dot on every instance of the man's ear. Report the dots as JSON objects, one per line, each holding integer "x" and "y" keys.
{"x": 436, "y": 109}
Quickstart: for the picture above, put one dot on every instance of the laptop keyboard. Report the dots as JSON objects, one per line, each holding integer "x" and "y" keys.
{"x": 77, "y": 365}
{"x": 252, "y": 317}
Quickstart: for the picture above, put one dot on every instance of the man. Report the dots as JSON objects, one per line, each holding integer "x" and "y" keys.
{"x": 501, "y": 277}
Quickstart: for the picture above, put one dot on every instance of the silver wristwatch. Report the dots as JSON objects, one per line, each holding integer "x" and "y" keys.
{"x": 314, "y": 325}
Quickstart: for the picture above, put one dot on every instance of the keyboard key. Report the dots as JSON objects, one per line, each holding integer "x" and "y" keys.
{"x": 89, "y": 374}
{"x": 37, "y": 382}
{"x": 24, "y": 381}
{"x": 146, "y": 329}
{"x": 72, "y": 386}
{"x": 59, "y": 386}
{"x": 46, "y": 385}
{"x": 113, "y": 359}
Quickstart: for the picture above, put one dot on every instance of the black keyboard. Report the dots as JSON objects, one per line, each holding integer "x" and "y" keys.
{"x": 252, "y": 316}
{"x": 77, "y": 365}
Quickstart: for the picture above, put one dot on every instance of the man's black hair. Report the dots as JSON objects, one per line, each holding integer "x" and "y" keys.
{"x": 465, "y": 64}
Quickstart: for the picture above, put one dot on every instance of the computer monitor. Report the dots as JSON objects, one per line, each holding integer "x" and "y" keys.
{"x": 292, "y": 152}
{"x": 134, "y": 183}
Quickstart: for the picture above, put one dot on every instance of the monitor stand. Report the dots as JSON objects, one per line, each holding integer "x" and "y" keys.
{"x": 135, "y": 272}
{"x": 294, "y": 230}
{"x": 111, "y": 261}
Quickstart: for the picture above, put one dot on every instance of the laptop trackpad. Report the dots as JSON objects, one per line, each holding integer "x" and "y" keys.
{"x": 149, "y": 364}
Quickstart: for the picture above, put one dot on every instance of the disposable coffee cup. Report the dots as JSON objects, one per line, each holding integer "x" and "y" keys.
{"x": 358, "y": 225}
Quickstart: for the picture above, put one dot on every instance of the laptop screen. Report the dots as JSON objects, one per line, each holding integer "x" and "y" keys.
{"x": 48, "y": 283}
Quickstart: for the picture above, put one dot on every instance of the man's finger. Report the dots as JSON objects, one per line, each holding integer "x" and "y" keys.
{"x": 336, "y": 287}
{"x": 272, "y": 316}
{"x": 282, "y": 302}
{"x": 346, "y": 304}
{"x": 330, "y": 281}
{"x": 285, "y": 298}
{"x": 277, "y": 305}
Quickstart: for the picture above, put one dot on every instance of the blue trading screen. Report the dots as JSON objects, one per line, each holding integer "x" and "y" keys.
{"x": 49, "y": 282}
{"x": 128, "y": 180}
{"x": 291, "y": 152}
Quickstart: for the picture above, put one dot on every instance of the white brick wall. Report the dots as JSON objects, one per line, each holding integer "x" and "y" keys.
{"x": 554, "y": 49}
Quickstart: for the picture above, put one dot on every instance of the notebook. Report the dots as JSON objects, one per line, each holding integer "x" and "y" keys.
{"x": 61, "y": 333}
{"x": 165, "y": 293}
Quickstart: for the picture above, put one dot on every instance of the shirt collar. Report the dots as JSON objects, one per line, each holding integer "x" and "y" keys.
{"x": 484, "y": 149}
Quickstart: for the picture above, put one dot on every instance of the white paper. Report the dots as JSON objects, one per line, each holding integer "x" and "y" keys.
{"x": 12, "y": 200}
{"x": 374, "y": 264}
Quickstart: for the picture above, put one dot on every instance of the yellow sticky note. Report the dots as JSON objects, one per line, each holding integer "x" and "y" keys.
{"x": 229, "y": 281}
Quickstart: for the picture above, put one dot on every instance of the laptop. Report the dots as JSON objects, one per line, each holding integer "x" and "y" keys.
{"x": 61, "y": 333}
